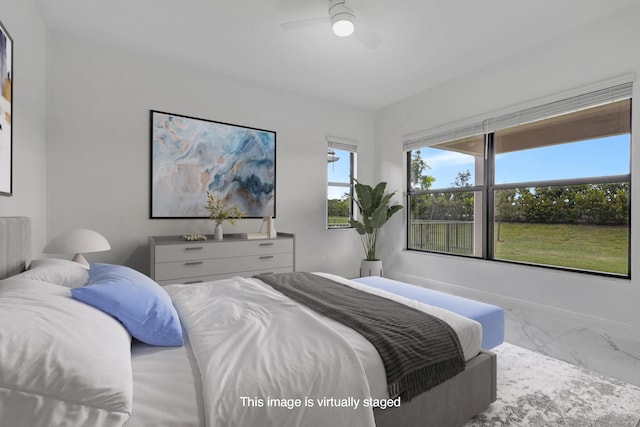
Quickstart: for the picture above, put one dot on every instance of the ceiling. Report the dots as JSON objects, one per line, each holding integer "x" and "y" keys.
{"x": 424, "y": 42}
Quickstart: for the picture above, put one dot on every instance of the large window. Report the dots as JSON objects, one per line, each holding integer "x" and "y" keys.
{"x": 546, "y": 186}
{"x": 341, "y": 167}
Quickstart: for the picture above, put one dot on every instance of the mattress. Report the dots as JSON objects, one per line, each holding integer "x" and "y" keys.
{"x": 489, "y": 316}
{"x": 166, "y": 387}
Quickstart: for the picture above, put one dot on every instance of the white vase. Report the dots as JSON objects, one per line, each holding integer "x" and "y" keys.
{"x": 370, "y": 268}
{"x": 217, "y": 232}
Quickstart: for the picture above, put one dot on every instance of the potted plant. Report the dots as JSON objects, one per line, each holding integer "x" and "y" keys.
{"x": 220, "y": 211}
{"x": 375, "y": 210}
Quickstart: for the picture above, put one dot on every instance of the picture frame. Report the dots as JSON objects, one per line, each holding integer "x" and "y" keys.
{"x": 190, "y": 156}
{"x": 6, "y": 112}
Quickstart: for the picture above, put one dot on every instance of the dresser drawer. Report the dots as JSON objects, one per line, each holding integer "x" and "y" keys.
{"x": 222, "y": 249}
{"x": 217, "y": 266}
{"x": 174, "y": 260}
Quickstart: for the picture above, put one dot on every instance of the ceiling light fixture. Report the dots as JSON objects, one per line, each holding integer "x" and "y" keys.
{"x": 342, "y": 18}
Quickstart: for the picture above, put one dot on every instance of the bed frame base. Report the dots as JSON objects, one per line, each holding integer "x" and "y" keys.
{"x": 451, "y": 403}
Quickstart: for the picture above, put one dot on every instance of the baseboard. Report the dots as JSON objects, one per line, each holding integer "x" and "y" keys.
{"x": 614, "y": 328}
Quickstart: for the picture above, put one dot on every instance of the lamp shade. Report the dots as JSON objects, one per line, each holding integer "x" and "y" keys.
{"x": 80, "y": 240}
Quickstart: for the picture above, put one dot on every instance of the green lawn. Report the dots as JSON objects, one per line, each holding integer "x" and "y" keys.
{"x": 597, "y": 248}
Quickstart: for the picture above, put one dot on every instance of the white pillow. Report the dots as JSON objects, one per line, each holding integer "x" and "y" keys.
{"x": 59, "y": 271}
{"x": 61, "y": 359}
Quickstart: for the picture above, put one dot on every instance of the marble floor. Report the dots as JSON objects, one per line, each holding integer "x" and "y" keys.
{"x": 567, "y": 339}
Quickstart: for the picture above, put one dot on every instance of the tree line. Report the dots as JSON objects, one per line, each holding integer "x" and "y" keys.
{"x": 338, "y": 207}
{"x": 592, "y": 204}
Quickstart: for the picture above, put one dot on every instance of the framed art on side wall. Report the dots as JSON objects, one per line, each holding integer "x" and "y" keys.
{"x": 6, "y": 110}
{"x": 190, "y": 156}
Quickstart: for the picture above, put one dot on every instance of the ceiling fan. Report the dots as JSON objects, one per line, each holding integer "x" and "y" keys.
{"x": 343, "y": 23}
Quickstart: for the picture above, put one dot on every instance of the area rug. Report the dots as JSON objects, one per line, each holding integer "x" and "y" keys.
{"x": 536, "y": 390}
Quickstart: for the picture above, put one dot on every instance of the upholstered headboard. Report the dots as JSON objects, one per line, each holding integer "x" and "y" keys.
{"x": 15, "y": 244}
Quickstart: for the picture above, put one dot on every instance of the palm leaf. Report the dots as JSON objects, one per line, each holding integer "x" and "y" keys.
{"x": 375, "y": 211}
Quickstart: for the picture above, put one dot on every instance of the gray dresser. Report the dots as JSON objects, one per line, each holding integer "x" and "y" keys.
{"x": 175, "y": 260}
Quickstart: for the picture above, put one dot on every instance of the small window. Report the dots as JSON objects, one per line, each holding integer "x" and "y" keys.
{"x": 341, "y": 166}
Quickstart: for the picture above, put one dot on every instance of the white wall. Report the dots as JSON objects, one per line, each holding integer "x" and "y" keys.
{"x": 23, "y": 22}
{"x": 98, "y": 163}
{"x": 602, "y": 51}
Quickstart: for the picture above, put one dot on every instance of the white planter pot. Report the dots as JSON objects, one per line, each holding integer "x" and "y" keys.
{"x": 217, "y": 232}
{"x": 370, "y": 268}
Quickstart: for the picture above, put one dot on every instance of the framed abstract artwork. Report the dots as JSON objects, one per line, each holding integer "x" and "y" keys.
{"x": 190, "y": 156}
{"x": 6, "y": 111}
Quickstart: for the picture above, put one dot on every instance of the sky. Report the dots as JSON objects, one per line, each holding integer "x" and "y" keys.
{"x": 338, "y": 172}
{"x": 590, "y": 158}
{"x": 595, "y": 157}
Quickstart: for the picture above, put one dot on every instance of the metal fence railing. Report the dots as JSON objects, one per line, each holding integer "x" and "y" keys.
{"x": 441, "y": 236}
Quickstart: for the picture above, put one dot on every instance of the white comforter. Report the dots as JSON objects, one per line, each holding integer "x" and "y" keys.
{"x": 252, "y": 344}
{"x": 266, "y": 361}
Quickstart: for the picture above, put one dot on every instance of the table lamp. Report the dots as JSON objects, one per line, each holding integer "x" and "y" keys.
{"x": 78, "y": 241}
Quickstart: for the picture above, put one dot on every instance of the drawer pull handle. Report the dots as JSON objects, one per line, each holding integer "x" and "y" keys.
{"x": 192, "y": 282}
{"x": 266, "y": 257}
{"x": 193, "y": 248}
{"x": 193, "y": 263}
{"x": 266, "y": 244}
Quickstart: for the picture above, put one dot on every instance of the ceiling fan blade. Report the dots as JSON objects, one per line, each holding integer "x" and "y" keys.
{"x": 367, "y": 36}
{"x": 301, "y": 23}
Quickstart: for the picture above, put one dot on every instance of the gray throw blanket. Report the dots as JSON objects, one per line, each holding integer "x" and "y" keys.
{"x": 419, "y": 351}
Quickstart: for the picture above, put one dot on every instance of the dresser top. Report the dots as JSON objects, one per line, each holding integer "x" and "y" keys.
{"x": 179, "y": 240}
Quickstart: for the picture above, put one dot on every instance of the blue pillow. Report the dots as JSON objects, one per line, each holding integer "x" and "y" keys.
{"x": 143, "y": 307}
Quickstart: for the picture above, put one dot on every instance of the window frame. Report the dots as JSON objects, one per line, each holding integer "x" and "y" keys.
{"x": 488, "y": 187}
{"x": 478, "y": 188}
{"x": 350, "y": 147}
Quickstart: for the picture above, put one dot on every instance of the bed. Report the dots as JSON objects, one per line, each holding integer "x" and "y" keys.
{"x": 64, "y": 362}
